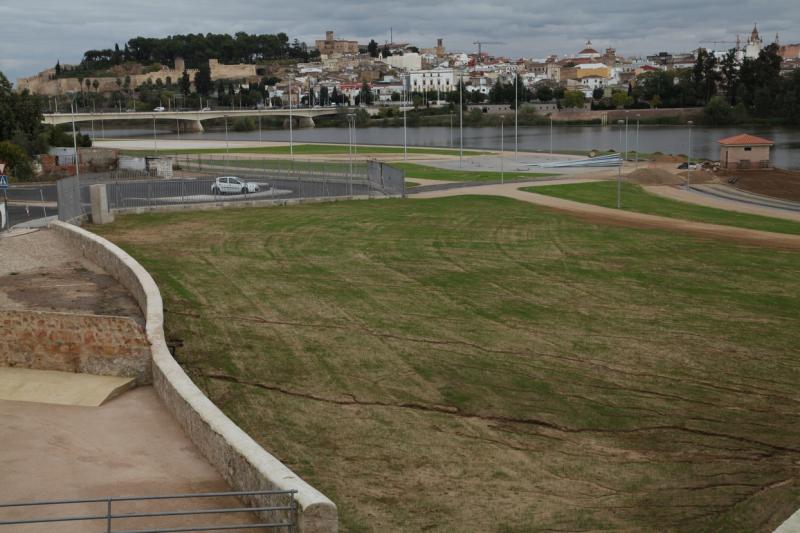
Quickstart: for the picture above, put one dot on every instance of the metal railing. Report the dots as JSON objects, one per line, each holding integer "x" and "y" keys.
{"x": 281, "y": 516}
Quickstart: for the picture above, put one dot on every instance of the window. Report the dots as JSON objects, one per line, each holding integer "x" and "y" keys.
{"x": 748, "y": 148}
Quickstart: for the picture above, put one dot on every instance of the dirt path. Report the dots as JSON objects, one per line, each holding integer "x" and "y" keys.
{"x": 720, "y": 203}
{"x": 605, "y": 215}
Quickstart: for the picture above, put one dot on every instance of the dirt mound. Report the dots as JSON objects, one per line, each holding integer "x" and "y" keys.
{"x": 667, "y": 158}
{"x": 654, "y": 176}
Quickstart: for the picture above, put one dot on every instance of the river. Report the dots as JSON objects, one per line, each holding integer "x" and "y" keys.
{"x": 666, "y": 139}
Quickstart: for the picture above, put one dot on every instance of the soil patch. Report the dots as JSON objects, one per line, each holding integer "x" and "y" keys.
{"x": 70, "y": 288}
{"x": 778, "y": 183}
{"x": 654, "y": 176}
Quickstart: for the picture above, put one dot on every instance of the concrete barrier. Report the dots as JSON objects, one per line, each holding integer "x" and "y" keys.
{"x": 244, "y": 464}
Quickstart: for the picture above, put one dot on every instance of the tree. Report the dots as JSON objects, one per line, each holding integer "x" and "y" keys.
{"x": 17, "y": 160}
{"x": 58, "y": 68}
{"x": 574, "y": 99}
{"x": 598, "y": 93}
{"x": 544, "y": 93}
{"x": 95, "y": 84}
{"x": 323, "y": 96}
{"x": 729, "y": 69}
{"x": 185, "y": 83}
{"x": 202, "y": 80}
{"x": 372, "y": 48}
{"x": 621, "y": 99}
{"x": 88, "y": 84}
{"x": 718, "y": 112}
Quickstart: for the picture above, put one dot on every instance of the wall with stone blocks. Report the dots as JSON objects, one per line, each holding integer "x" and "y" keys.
{"x": 88, "y": 344}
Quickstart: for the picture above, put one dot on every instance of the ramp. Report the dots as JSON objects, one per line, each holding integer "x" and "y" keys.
{"x": 60, "y": 388}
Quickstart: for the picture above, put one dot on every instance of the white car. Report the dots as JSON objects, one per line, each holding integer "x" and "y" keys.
{"x": 205, "y": 109}
{"x": 160, "y": 108}
{"x": 233, "y": 185}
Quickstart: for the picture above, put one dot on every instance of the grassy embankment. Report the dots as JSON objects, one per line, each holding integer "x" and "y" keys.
{"x": 481, "y": 364}
{"x": 635, "y": 198}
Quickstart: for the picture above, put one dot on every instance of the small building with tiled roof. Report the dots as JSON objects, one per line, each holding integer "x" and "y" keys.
{"x": 744, "y": 152}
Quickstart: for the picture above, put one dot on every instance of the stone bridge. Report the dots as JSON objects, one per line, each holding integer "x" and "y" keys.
{"x": 193, "y": 120}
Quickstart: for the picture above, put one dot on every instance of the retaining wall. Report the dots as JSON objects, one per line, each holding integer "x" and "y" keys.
{"x": 244, "y": 464}
{"x": 89, "y": 344}
{"x": 233, "y": 204}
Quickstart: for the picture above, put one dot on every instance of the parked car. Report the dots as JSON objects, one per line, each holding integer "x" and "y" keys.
{"x": 233, "y": 185}
{"x": 206, "y": 109}
{"x": 160, "y": 108}
{"x": 687, "y": 166}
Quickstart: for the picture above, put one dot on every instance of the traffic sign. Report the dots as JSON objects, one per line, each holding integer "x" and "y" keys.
{"x": 3, "y": 182}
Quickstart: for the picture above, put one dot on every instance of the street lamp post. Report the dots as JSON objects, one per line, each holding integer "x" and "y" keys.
{"x": 637, "y": 141}
{"x": 626, "y": 140}
{"x": 689, "y": 158}
{"x": 461, "y": 121}
{"x": 75, "y": 147}
{"x": 502, "y": 146}
{"x": 291, "y": 125}
{"x": 516, "y": 115}
{"x": 155, "y": 140}
{"x": 405, "y": 104}
{"x": 621, "y": 162}
{"x": 551, "y": 135}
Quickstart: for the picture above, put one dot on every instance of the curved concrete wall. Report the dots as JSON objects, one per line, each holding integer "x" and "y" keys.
{"x": 241, "y": 461}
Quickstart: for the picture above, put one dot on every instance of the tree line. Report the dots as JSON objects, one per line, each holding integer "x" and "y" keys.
{"x": 195, "y": 48}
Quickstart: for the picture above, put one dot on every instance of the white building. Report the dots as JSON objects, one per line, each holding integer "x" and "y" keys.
{"x": 407, "y": 61}
{"x": 441, "y": 79}
{"x": 754, "y": 45}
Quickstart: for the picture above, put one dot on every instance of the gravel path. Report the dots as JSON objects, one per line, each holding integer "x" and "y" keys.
{"x": 626, "y": 218}
{"x": 691, "y": 197}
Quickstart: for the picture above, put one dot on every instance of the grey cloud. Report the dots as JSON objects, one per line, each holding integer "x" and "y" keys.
{"x": 43, "y": 31}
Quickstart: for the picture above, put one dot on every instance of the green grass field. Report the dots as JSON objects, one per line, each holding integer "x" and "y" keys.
{"x": 482, "y": 364}
{"x": 305, "y": 149}
{"x": 414, "y": 170}
{"x": 635, "y": 198}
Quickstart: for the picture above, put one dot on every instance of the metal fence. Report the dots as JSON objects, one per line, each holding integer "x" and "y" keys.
{"x": 275, "y": 510}
{"x": 73, "y": 199}
{"x": 195, "y": 182}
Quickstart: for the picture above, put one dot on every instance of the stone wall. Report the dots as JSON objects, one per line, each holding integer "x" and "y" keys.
{"x": 244, "y": 464}
{"x": 88, "y": 344}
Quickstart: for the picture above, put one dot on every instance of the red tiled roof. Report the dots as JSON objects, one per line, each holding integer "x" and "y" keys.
{"x": 743, "y": 139}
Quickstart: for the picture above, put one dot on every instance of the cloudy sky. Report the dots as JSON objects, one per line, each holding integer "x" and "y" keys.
{"x": 36, "y": 33}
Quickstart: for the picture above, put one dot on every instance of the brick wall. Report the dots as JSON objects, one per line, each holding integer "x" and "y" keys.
{"x": 90, "y": 344}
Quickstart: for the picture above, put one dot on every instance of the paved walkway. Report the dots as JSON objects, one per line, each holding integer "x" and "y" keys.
{"x": 130, "y": 446}
{"x": 627, "y": 218}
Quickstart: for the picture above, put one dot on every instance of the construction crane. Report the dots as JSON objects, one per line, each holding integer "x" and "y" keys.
{"x": 737, "y": 43}
{"x": 481, "y": 43}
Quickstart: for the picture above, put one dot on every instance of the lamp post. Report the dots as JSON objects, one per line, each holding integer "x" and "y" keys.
{"x": 689, "y": 158}
{"x": 155, "y": 141}
{"x": 461, "y": 121}
{"x": 516, "y": 115}
{"x": 291, "y": 125}
{"x": 551, "y": 135}
{"x": 637, "y": 140}
{"x": 75, "y": 146}
{"x": 619, "y": 168}
{"x": 626, "y": 140}
{"x": 502, "y": 146}
{"x": 405, "y": 104}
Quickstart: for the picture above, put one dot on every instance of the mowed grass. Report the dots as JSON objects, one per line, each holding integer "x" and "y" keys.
{"x": 305, "y": 149}
{"x": 635, "y": 198}
{"x": 414, "y": 170}
{"x": 482, "y": 364}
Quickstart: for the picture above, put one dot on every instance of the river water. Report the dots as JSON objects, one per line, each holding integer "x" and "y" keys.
{"x": 666, "y": 139}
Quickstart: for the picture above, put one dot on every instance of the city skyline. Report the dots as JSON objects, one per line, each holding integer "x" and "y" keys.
{"x": 44, "y": 33}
